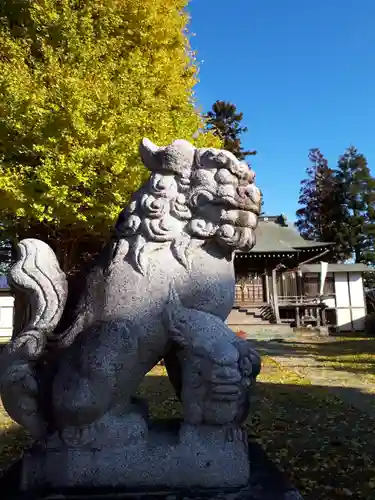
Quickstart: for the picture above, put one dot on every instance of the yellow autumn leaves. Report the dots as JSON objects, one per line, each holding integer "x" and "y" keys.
{"x": 81, "y": 82}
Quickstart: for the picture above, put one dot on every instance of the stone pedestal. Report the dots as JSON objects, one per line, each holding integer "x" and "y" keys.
{"x": 170, "y": 456}
{"x": 266, "y": 483}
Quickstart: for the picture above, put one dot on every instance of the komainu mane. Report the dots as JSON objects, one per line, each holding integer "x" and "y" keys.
{"x": 164, "y": 292}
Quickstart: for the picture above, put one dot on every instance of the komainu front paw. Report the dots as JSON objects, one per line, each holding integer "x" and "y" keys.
{"x": 236, "y": 434}
{"x": 19, "y": 390}
{"x": 20, "y": 375}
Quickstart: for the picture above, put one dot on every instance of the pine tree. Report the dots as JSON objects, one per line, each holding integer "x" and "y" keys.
{"x": 357, "y": 190}
{"x": 322, "y": 216}
{"x": 81, "y": 82}
{"x": 225, "y": 122}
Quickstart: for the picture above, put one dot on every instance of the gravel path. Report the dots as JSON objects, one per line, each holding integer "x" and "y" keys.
{"x": 345, "y": 385}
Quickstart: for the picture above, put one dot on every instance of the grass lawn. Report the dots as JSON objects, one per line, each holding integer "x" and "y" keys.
{"x": 13, "y": 439}
{"x": 324, "y": 446}
{"x": 352, "y": 355}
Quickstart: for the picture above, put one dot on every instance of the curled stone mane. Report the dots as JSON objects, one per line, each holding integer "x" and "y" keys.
{"x": 193, "y": 196}
{"x": 224, "y": 200}
{"x": 159, "y": 212}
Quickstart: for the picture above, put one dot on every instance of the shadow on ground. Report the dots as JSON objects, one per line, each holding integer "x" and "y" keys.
{"x": 355, "y": 356}
{"x": 324, "y": 446}
{"x": 13, "y": 440}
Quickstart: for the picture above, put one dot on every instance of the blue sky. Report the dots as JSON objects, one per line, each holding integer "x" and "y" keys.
{"x": 303, "y": 74}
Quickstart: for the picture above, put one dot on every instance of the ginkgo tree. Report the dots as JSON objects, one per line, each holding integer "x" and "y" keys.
{"x": 81, "y": 82}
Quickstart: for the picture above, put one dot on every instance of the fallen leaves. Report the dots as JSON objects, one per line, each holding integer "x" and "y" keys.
{"x": 241, "y": 334}
{"x": 324, "y": 446}
{"x": 13, "y": 440}
{"x": 353, "y": 356}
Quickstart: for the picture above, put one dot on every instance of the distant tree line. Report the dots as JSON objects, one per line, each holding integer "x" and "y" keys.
{"x": 338, "y": 205}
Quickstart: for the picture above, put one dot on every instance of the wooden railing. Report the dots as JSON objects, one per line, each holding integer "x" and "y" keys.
{"x": 304, "y": 312}
{"x": 302, "y": 299}
{"x": 287, "y": 305}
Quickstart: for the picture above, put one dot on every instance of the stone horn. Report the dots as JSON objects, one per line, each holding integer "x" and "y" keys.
{"x": 148, "y": 151}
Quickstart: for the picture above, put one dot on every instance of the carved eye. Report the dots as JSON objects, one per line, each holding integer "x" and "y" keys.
{"x": 223, "y": 176}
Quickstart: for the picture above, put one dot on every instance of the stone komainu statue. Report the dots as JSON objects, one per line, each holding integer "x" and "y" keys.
{"x": 163, "y": 288}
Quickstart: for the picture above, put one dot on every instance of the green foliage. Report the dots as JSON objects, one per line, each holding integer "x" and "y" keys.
{"x": 321, "y": 214}
{"x": 356, "y": 188}
{"x": 225, "y": 122}
{"x": 370, "y": 324}
{"x": 369, "y": 282}
{"x": 5, "y": 257}
{"x": 338, "y": 205}
{"x": 81, "y": 82}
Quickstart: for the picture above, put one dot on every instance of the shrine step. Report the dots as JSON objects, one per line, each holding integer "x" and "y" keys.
{"x": 264, "y": 333}
{"x": 253, "y": 314}
{"x": 239, "y": 317}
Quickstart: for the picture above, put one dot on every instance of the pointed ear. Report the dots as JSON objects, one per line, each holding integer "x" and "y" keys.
{"x": 148, "y": 151}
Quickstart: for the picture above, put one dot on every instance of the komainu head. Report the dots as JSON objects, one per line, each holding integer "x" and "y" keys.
{"x": 224, "y": 200}
{"x": 192, "y": 194}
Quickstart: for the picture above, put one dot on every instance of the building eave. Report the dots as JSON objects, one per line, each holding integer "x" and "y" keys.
{"x": 337, "y": 268}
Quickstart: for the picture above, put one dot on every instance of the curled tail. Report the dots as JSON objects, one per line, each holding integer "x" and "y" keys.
{"x": 36, "y": 273}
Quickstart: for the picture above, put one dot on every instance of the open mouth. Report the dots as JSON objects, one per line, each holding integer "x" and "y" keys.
{"x": 230, "y": 203}
{"x": 236, "y": 237}
{"x": 243, "y": 205}
{"x": 239, "y": 211}
{"x": 239, "y": 217}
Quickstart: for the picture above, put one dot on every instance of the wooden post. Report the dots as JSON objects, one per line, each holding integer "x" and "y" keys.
{"x": 267, "y": 286}
{"x": 298, "y": 318}
{"x": 275, "y": 297}
{"x": 300, "y": 288}
{"x": 318, "y": 316}
{"x": 324, "y": 317}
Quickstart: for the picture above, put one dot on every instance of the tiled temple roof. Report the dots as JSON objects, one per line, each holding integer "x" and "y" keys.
{"x": 275, "y": 235}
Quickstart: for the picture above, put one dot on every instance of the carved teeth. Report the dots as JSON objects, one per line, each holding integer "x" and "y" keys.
{"x": 225, "y": 389}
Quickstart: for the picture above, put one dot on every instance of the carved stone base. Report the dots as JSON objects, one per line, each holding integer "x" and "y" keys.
{"x": 171, "y": 456}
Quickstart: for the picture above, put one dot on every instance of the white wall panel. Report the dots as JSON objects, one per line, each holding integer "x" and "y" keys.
{"x": 356, "y": 290}
{"x": 342, "y": 290}
{"x": 6, "y": 317}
